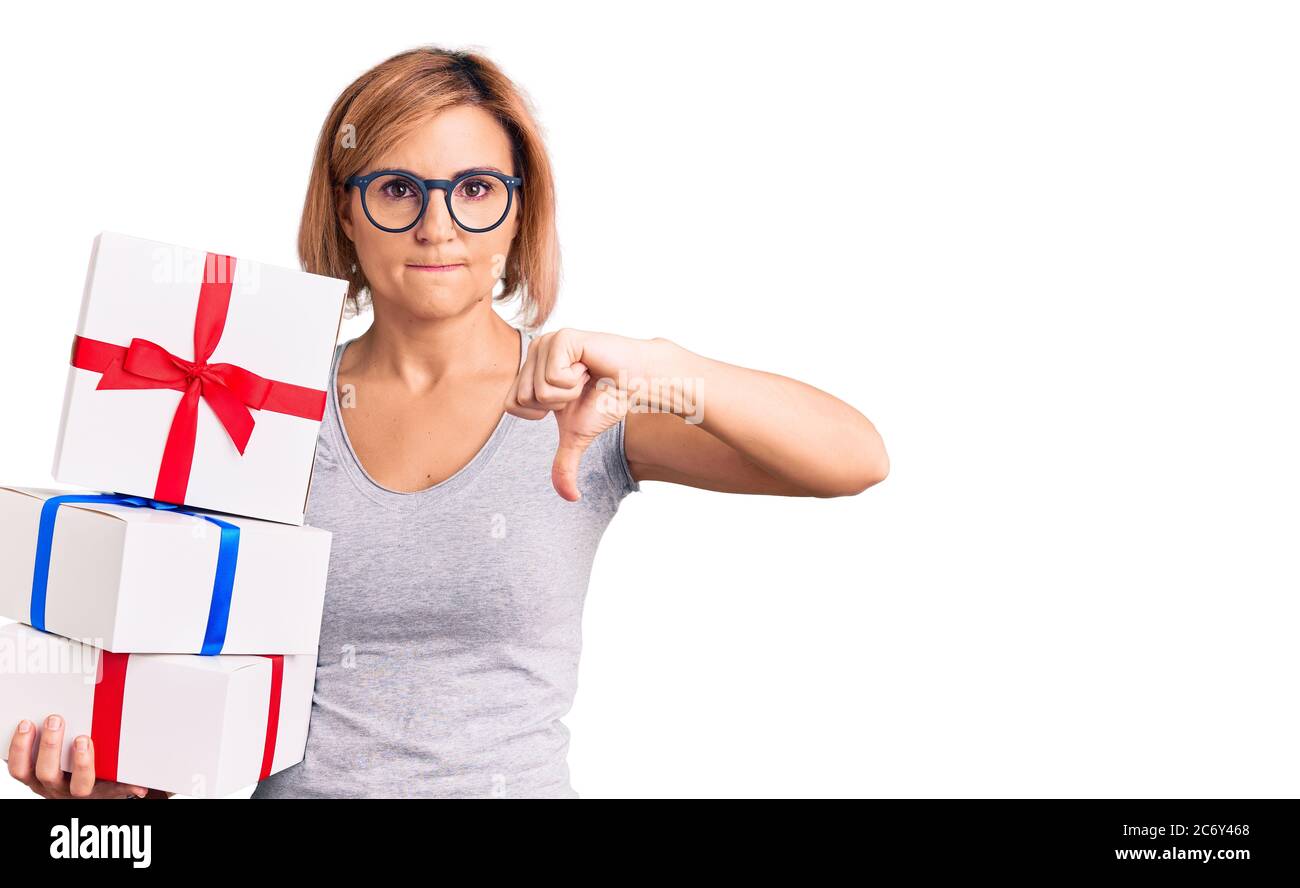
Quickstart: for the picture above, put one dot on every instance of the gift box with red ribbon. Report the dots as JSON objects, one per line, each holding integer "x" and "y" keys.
{"x": 198, "y": 379}
{"x": 193, "y": 725}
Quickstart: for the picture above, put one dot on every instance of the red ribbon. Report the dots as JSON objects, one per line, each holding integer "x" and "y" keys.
{"x": 231, "y": 391}
{"x": 106, "y": 714}
{"x": 272, "y": 714}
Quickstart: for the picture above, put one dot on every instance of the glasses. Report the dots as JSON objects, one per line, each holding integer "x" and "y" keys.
{"x": 395, "y": 200}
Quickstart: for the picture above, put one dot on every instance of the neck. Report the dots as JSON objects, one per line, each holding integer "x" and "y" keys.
{"x": 422, "y": 353}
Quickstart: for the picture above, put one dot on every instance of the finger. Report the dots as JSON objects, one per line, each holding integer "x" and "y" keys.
{"x": 83, "y": 768}
{"x": 564, "y": 367}
{"x": 524, "y": 392}
{"x": 553, "y": 397}
{"x": 554, "y": 383}
{"x": 49, "y": 771}
{"x": 536, "y": 372}
{"x": 110, "y": 789}
{"x": 513, "y": 407}
{"x": 82, "y": 781}
{"x": 513, "y": 403}
{"x": 20, "y": 752}
{"x": 564, "y": 470}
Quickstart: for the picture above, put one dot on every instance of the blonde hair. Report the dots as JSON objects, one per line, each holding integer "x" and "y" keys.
{"x": 376, "y": 112}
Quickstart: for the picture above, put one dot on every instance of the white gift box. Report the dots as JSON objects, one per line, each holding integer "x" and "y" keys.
{"x": 141, "y": 579}
{"x": 143, "y": 415}
{"x": 199, "y": 726}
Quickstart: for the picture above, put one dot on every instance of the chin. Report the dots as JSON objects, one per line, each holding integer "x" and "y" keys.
{"x": 437, "y": 302}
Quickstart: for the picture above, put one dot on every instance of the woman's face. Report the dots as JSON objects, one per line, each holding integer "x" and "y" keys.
{"x": 400, "y": 266}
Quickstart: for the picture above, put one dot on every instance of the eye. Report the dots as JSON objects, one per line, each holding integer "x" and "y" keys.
{"x": 397, "y": 189}
{"x": 479, "y": 188}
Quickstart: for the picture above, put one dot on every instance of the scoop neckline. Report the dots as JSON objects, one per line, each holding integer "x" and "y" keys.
{"x": 407, "y": 499}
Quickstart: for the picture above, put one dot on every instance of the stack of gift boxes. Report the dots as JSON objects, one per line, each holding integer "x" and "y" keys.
{"x": 171, "y": 609}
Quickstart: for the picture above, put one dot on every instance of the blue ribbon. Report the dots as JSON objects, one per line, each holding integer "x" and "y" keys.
{"x": 214, "y": 637}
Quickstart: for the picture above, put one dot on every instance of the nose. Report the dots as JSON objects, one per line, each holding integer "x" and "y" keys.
{"x": 437, "y": 224}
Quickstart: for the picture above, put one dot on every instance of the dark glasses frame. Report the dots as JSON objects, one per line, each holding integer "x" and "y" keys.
{"x": 448, "y": 187}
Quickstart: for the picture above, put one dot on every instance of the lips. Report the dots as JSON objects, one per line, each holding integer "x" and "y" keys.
{"x": 423, "y": 267}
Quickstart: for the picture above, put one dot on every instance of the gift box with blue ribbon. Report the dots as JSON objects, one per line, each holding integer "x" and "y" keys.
{"x": 130, "y": 574}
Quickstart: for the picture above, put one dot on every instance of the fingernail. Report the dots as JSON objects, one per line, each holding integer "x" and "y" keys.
{"x": 53, "y": 723}
{"x": 140, "y": 792}
{"x": 80, "y": 744}
{"x": 24, "y": 726}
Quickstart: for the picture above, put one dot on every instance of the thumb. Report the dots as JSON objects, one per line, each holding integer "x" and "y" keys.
{"x": 564, "y": 471}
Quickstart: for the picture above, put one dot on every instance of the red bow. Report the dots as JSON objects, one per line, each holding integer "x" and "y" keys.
{"x": 231, "y": 391}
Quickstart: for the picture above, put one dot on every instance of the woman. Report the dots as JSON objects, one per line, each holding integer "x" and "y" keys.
{"x": 468, "y": 468}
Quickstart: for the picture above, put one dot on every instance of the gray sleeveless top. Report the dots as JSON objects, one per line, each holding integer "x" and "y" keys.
{"x": 453, "y": 619}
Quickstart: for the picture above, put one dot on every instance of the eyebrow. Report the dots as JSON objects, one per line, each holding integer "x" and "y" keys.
{"x": 475, "y": 168}
{"x": 459, "y": 173}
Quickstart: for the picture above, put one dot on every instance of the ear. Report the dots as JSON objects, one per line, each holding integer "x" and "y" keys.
{"x": 343, "y": 200}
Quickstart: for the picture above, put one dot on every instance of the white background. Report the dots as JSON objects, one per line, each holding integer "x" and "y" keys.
{"x": 1048, "y": 248}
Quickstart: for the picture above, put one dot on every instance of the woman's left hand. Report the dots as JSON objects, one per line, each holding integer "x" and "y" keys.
{"x": 582, "y": 377}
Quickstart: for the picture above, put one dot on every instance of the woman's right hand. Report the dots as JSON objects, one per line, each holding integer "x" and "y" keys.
{"x": 46, "y": 778}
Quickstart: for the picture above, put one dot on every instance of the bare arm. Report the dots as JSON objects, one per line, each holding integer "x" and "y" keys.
{"x": 692, "y": 420}
{"x": 738, "y": 430}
